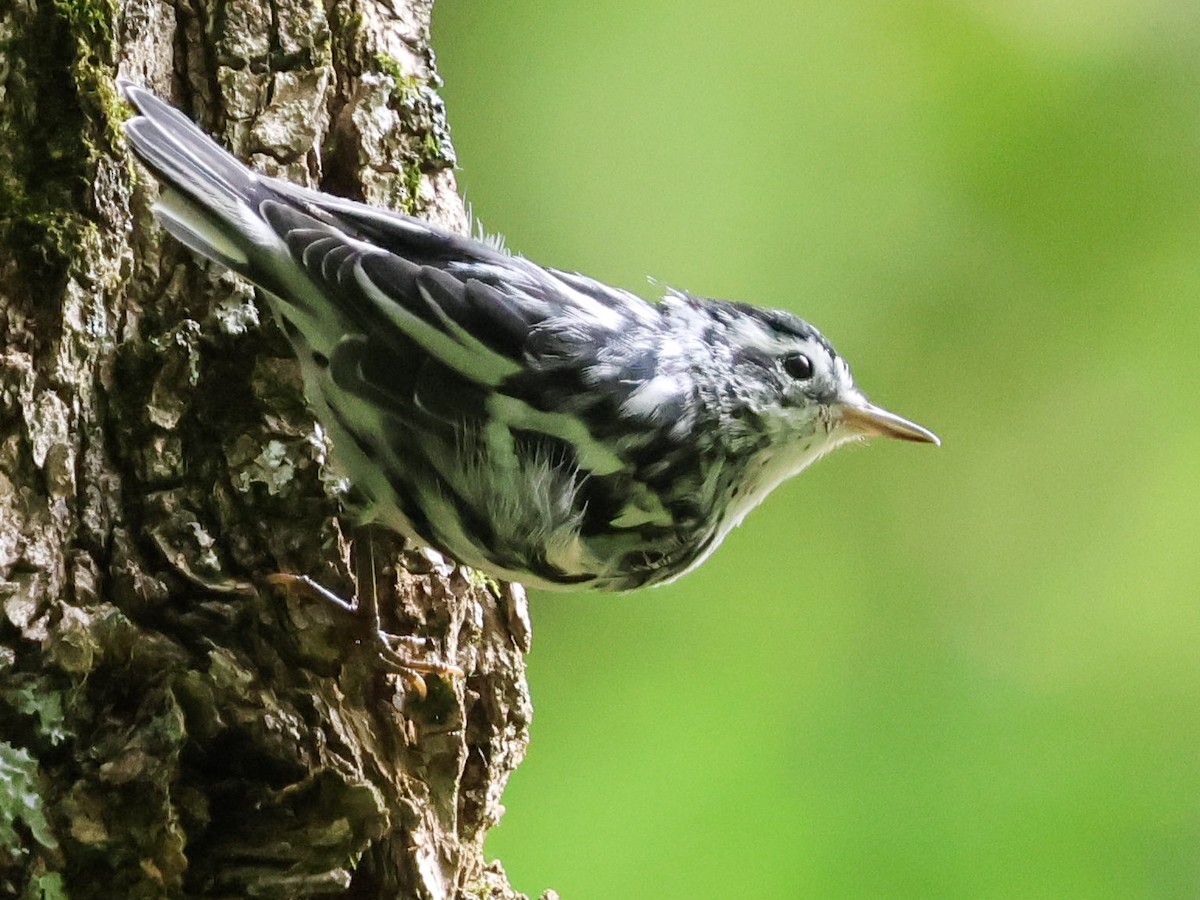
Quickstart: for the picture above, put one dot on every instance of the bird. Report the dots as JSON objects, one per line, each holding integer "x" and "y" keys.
{"x": 526, "y": 421}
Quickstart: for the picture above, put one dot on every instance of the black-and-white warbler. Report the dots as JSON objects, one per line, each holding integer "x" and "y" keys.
{"x": 535, "y": 424}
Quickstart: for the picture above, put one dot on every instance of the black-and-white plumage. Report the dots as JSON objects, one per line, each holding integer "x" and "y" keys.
{"x": 532, "y": 423}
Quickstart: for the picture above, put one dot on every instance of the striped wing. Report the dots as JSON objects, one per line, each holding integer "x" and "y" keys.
{"x": 510, "y": 415}
{"x": 474, "y": 394}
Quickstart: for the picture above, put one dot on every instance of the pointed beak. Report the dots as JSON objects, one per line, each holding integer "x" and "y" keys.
{"x": 868, "y": 419}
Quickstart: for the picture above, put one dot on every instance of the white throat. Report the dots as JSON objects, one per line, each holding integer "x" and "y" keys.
{"x": 775, "y": 466}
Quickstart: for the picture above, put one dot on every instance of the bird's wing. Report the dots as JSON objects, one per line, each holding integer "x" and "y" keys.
{"x": 539, "y": 406}
{"x": 341, "y": 266}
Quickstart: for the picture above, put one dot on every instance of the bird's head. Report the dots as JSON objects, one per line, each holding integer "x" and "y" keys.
{"x": 798, "y": 391}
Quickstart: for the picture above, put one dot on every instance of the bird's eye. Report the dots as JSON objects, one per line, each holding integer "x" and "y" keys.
{"x": 798, "y": 366}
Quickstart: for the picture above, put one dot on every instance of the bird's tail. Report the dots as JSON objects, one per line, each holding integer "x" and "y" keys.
{"x": 210, "y": 200}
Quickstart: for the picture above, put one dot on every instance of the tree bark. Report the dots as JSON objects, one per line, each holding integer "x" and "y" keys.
{"x": 169, "y": 725}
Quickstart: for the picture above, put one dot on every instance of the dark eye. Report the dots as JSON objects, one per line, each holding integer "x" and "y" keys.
{"x": 798, "y": 366}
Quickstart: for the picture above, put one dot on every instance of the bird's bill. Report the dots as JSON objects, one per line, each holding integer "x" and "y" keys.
{"x": 869, "y": 419}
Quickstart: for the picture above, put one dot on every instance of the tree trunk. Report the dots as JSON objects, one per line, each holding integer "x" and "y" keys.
{"x": 169, "y": 725}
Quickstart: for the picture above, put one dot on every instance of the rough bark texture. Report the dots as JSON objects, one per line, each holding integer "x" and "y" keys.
{"x": 169, "y": 726}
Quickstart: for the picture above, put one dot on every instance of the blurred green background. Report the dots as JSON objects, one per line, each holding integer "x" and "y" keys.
{"x": 966, "y": 672}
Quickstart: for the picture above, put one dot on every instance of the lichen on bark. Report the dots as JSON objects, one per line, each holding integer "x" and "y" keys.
{"x": 168, "y": 725}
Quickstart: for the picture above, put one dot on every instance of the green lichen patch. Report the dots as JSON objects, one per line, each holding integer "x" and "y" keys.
{"x": 404, "y": 83}
{"x": 58, "y": 112}
{"x": 21, "y": 801}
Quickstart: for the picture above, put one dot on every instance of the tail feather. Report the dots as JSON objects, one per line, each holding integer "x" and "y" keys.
{"x": 210, "y": 202}
{"x": 189, "y": 224}
{"x": 166, "y": 140}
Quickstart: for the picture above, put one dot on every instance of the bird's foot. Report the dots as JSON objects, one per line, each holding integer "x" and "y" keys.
{"x": 403, "y": 655}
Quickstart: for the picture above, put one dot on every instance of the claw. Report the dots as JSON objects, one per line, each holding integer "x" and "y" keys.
{"x": 414, "y": 683}
{"x": 411, "y": 669}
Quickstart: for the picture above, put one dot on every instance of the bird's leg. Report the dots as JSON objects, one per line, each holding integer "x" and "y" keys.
{"x": 408, "y": 664}
{"x": 368, "y": 610}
